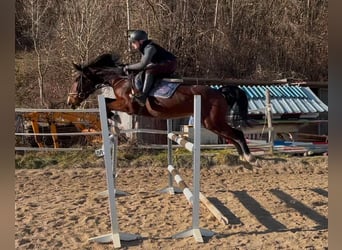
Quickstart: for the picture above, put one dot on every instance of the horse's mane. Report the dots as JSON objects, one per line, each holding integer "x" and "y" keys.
{"x": 104, "y": 61}
{"x": 108, "y": 65}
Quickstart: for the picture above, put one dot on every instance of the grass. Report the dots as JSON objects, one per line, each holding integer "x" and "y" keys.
{"x": 132, "y": 156}
{"x": 127, "y": 156}
{"x": 36, "y": 160}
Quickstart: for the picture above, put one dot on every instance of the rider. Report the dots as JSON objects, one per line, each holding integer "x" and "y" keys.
{"x": 155, "y": 61}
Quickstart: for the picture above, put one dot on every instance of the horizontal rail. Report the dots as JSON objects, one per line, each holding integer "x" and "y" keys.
{"x": 25, "y": 110}
{"x": 221, "y": 81}
{"x": 46, "y": 149}
{"x": 206, "y": 146}
{"x": 150, "y": 131}
{"x": 143, "y": 130}
{"x": 61, "y": 134}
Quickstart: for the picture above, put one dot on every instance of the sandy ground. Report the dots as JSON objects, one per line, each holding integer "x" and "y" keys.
{"x": 282, "y": 205}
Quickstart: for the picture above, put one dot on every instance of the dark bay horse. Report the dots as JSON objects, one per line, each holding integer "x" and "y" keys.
{"x": 106, "y": 70}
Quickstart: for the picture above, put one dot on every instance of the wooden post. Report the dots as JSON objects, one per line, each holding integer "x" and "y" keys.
{"x": 269, "y": 120}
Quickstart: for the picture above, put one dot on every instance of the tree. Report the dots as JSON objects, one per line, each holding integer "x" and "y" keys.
{"x": 40, "y": 16}
{"x": 89, "y": 27}
{"x": 223, "y": 38}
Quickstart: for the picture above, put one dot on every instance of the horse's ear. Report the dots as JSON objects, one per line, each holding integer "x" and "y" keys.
{"x": 97, "y": 72}
{"x": 78, "y": 67}
{"x": 90, "y": 71}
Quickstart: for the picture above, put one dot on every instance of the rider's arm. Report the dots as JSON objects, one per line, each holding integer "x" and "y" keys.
{"x": 149, "y": 52}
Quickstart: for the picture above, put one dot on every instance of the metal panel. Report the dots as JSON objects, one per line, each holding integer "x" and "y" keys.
{"x": 284, "y": 99}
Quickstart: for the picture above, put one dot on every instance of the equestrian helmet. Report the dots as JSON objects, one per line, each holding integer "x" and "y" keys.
{"x": 138, "y": 35}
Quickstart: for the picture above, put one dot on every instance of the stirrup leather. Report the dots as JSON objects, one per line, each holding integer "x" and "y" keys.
{"x": 141, "y": 99}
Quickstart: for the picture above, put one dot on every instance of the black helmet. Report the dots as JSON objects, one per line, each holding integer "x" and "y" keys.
{"x": 138, "y": 35}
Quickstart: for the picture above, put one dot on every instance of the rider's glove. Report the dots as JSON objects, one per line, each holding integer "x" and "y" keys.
{"x": 125, "y": 70}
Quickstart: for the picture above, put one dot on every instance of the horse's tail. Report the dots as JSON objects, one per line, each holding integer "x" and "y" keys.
{"x": 237, "y": 100}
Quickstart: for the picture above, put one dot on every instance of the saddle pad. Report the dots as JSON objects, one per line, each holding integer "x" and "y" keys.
{"x": 165, "y": 88}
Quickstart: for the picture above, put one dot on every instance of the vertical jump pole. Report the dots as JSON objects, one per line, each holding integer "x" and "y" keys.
{"x": 196, "y": 231}
{"x": 169, "y": 155}
{"x": 115, "y": 236}
{"x": 196, "y": 153}
{"x": 113, "y": 138}
{"x": 170, "y": 188}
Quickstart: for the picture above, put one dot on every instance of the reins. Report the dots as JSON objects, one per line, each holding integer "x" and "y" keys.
{"x": 130, "y": 81}
{"x": 81, "y": 93}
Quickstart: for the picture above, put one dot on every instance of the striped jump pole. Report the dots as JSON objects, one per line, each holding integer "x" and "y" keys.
{"x": 115, "y": 236}
{"x": 195, "y": 231}
{"x": 189, "y": 196}
{"x": 113, "y": 138}
{"x": 170, "y": 188}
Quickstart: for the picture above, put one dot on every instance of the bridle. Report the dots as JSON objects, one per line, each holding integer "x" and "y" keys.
{"x": 83, "y": 94}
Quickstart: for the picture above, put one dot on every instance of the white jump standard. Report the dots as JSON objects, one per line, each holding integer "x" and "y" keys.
{"x": 193, "y": 197}
{"x": 115, "y": 236}
{"x": 195, "y": 231}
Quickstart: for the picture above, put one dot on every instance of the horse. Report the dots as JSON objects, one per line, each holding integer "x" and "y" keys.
{"x": 106, "y": 70}
{"x": 238, "y": 102}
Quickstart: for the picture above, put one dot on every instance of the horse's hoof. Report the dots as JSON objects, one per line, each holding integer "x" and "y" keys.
{"x": 252, "y": 160}
{"x": 249, "y": 158}
{"x": 256, "y": 163}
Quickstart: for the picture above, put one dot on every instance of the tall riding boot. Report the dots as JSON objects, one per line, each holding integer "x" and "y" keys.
{"x": 147, "y": 85}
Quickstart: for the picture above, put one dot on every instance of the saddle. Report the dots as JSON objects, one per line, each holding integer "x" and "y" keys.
{"x": 162, "y": 87}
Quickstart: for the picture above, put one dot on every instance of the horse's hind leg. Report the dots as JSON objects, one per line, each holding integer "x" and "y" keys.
{"x": 241, "y": 141}
{"x": 222, "y": 128}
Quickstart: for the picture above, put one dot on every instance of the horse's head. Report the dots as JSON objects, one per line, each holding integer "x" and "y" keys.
{"x": 92, "y": 76}
{"x": 82, "y": 87}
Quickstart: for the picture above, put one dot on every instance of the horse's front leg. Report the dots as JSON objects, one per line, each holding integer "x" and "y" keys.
{"x": 119, "y": 104}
